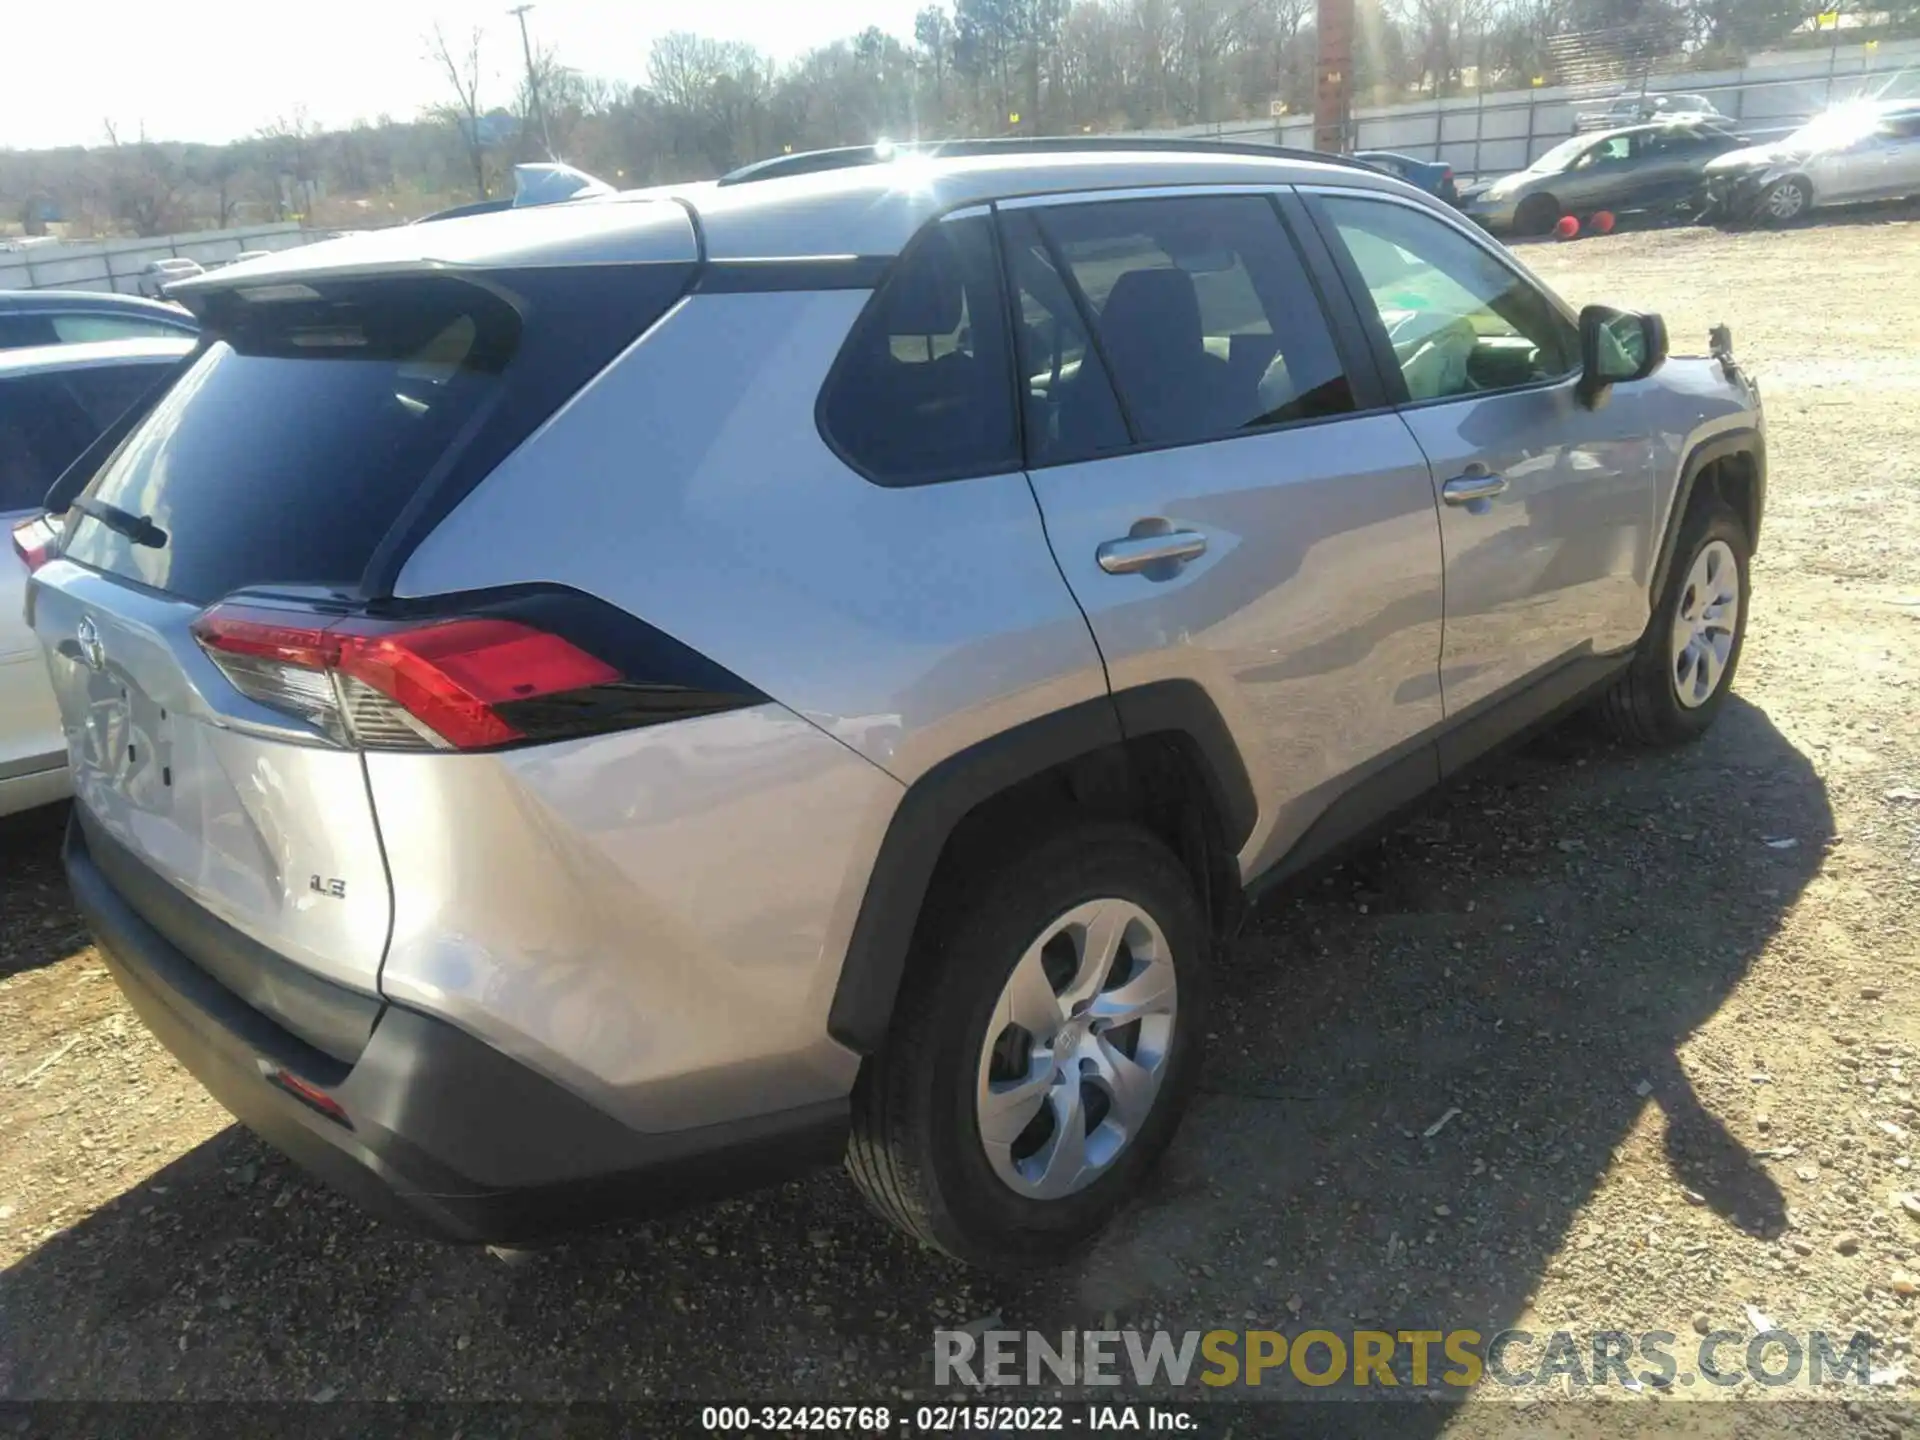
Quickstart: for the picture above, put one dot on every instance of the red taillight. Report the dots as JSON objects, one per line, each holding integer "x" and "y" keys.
{"x": 385, "y": 685}
{"x": 34, "y": 541}
{"x": 1447, "y": 173}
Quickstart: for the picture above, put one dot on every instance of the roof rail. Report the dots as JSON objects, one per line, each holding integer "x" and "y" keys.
{"x": 813, "y": 162}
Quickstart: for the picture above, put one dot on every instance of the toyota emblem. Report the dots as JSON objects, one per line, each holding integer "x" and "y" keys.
{"x": 91, "y": 650}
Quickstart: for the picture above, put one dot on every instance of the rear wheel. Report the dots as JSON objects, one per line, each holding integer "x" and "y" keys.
{"x": 1685, "y": 663}
{"x": 1044, "y": 1047}
{"x": 1537, "y": 215}
{"x": 1785, "y": 201}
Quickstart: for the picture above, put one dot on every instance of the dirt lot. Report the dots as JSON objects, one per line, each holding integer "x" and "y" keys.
{"x": 1672, "y": 998}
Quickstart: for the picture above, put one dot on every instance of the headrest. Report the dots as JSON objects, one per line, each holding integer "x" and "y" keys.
{"x": 924, "y": 299}
{"x": 1156, "y": 308}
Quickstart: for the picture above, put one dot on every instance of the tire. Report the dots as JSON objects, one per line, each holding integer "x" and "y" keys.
{"x": 1650, "y": 704}
{"x": 918, "y": 1149}
{"x": 1784, "y": 201}
{"x": 1537, "y": 215}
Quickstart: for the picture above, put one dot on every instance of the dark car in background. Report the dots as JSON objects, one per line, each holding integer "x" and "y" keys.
{"x": 68, "y": 317}
{"x": 1433, "y": 176}
{"x": 1637, "y": 168}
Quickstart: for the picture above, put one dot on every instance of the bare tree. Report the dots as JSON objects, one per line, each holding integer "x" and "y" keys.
{"x": 682, "y": 69}
{"x": 144, "y": 185}
{"x": 292, "y": 144}
{"x": 462, "y": 71}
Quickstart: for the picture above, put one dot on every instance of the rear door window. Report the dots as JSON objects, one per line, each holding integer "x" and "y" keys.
{"x": 319, "y": 411}
{"x": 1204, "y": 314}
{"x": 17, "y": 331}
{"x": 78, "y": 329}
{"x": 43, "y": 427}
{"x": 923, "y": 390}
{"x": 106, "y": 392}
{"x": 1071, "y": 413}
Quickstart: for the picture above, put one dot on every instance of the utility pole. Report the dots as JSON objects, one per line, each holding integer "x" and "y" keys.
{"x": 519, "y": 12}
{"x": 1333, "y": 81}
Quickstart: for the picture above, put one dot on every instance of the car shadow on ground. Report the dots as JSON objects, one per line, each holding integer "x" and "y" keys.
{"x": 40, "y": 926}
{"x": 1420, "y": 1067}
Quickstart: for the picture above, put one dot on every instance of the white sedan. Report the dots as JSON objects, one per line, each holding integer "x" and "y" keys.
{"x": 1868, "y": 151}
{"x": 55, "y": 401}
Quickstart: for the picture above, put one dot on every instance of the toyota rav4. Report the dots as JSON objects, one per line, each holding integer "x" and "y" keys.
{"x": 577, "y": 708}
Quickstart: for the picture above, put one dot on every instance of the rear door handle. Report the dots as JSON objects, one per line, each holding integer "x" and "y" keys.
{"x": 1137, "y": 552}
{"x": 1474, "y": 485}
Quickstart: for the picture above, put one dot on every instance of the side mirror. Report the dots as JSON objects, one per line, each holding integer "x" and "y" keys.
{"x": 1618, "y": 346}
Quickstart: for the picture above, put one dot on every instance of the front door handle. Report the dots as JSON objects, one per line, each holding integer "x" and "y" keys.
{"x": 1476, "y": 484}
{"x": 1138, "y": 552}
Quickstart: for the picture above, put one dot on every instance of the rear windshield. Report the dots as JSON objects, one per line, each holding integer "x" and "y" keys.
{"x": 318, "y": 414}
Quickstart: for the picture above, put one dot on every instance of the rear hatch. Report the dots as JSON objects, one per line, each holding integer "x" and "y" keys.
{"x": 206, "y": 615}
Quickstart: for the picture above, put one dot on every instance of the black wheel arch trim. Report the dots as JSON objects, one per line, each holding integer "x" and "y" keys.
{"x": 1742, "y": 441}
{"x": 939, "y": 800}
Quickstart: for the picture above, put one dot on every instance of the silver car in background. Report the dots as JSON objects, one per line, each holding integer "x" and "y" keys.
{"x": 55, "y": 400}
{"x": 1855, "y": 153}
{"x": 576, "y": 708}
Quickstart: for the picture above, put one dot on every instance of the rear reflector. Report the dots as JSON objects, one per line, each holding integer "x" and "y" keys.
{"x": 35, "y": 541}
{"x": 309, "y": 1094}
{"x": 446, "y": 684}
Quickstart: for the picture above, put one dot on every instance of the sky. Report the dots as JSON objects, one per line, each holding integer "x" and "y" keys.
{"x": 217, "y": 70}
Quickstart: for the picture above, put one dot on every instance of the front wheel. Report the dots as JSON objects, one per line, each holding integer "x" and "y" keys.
{"x": 1785, "y": 201}
{"x": 1045, "y": 1044}
{"x": 1681, "y": 672}
{"x": 1537, "y": 215}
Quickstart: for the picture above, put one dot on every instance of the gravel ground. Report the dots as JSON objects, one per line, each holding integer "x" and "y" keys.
{"x": 1671, "y": 999}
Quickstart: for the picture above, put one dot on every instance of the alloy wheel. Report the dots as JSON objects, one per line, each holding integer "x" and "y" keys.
{"x": 1785, "y": 201}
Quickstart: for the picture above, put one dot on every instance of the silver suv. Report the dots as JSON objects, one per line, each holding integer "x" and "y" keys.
{"x": 576, "y": 708}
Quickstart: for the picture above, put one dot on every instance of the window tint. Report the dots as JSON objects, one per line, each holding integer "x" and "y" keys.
{"x": 19, "y": 330}
{"x": 1203, "y": 313}
{"x": 924, "y": 389}
{"x": 105, "y": 391}
{"x": 78, "y": 329}
{"x": 42, "y": 429}
{"x": 1070, "y": 410}
{"x": 340, "y": 414}
{"x": 290, "y": 446}
{"x": 1459, "y": 320}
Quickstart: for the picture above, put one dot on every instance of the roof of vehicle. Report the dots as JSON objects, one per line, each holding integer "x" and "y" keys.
{"x": 22, "y": 302}
{"x": 843, "y": 203}
{"x": 93, "y": 354}
{"x": 1664, "y": 122}
{"x": 1394, "y": 155}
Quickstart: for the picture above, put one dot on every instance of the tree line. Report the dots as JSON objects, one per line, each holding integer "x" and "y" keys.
{"x": 974, "y": 67}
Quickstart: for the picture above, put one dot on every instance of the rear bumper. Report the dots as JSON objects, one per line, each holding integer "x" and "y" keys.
{"x": 435, "y": 1127}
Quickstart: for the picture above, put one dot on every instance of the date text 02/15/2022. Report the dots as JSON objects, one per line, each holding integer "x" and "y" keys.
{"x": 946, "y": 1419}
